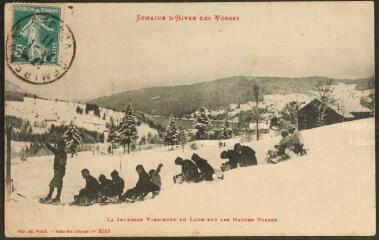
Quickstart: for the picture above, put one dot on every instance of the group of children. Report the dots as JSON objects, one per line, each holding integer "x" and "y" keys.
{"x": 291, "y": 141}
{"x": 239, "y": 156}
{"x": 198, "y": 169}
{"x": 194, "y": 170}
{"x": 106, "y": 190}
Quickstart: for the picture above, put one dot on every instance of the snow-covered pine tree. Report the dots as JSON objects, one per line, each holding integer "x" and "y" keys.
{"x": 72, "y": 138}
{"x": 202, "y": 122}
{"x": 127, "y": 130}
{"x": 182, "y": 137}
{"x": 112, "y": 133}
{"x": 226, "y": 131}
{"x": 171, "y": 137}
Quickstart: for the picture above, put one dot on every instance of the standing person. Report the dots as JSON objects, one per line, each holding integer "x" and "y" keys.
{"x": 206, "y": 170}
{"x": 190, "y": 171}
{"x": 245, "y": 155}
{"x": 156, "y": 178}
{"x": 118, "y": 184}
{"x": 60, "y": 159}
{"x": 90, "y": 191}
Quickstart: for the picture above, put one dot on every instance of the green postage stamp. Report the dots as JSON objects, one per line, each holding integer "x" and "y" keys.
{"x": 36, "y": 34}
{"x": 40, "y": 45}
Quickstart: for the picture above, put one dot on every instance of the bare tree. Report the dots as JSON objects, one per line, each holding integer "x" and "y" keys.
{"x": 257, "y": 111}
{"x": 324, "y": 92}
{"x": 290, "y": 111}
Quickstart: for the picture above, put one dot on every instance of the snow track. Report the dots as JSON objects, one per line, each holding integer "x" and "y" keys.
{"x": 329, "y": 191}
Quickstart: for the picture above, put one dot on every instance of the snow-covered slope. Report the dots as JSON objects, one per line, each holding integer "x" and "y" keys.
{"x": 328, "y": 192}
{"x": 346, "y": 96}
{"x": 42, "y": 113}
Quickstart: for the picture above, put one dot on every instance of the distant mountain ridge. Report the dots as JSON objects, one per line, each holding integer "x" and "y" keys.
{"x": 185, "y": 99}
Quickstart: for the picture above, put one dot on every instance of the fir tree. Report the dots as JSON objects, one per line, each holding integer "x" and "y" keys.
{"x": 72, "y": 138}
{"x": 226, "y": 131}
{"x": 182, "y": 137}
{"x": 171, "y": 137}
{"x": 112, "y": 133}
{"x": 202, "y": 122}
{"x": 127, "y": 130}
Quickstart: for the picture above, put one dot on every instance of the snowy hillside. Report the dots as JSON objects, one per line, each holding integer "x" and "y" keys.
{"x": 329, "y": 191}
{"x": 42, "y": 113}
{"x": 346, "y": 96}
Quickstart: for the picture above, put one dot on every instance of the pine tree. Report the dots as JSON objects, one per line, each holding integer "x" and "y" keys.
{"x": 72, "y": 138}
{"x": 127, "y": 130}
{"x": 182, "y": 137}
{"x": 226, "y": 131}
{"x": 112, "y": 133}
{"x": 171, "y": 137}
{"x": 202, "y": 122}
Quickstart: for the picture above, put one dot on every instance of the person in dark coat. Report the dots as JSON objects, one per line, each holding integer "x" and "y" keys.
{"x": 60, "y": 159}
{"x": 245, "y": 155}
{"x": 233, "y": 161}
{"x": 190, "y": 171}
{"x": 118, "y": 184}
{"x": 105, "y": 187}
{"x": 90, "y": 191}
{"x": 143, "y": 187}
{"x": 274, "y": 123}
{"x": 206, "y": 170}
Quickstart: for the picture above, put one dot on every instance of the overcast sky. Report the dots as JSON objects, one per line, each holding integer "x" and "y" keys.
{"x": 115, "y": 53}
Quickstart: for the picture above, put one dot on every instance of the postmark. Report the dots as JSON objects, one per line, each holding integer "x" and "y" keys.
{"x": 40, "y": 47}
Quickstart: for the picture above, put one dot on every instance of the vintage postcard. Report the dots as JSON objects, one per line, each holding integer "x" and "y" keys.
{"x": 189, "y": 119}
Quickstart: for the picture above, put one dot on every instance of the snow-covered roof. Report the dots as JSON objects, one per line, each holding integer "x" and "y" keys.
{"x": 343, "y": 107}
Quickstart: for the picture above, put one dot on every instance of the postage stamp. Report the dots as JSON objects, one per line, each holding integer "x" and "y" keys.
{"x": 40, "y": 46}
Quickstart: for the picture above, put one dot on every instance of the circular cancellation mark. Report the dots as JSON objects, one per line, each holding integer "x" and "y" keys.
{"x": 40, "y": 48}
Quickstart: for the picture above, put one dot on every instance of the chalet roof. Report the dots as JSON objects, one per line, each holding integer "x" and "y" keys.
{"x": 351, "y": 105}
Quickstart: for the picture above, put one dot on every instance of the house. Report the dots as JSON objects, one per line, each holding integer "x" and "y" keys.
{"x": 308, "y": 113}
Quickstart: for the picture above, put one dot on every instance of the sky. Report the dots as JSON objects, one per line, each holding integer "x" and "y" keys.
{"x": 283, "y": 39}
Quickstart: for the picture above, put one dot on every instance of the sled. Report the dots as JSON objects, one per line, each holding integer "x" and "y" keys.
{"x": 50, "y": 202}
{"x": 272, "y": 157}
{"x": 80, "y": 204}
{"x": 225, "y": 167}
